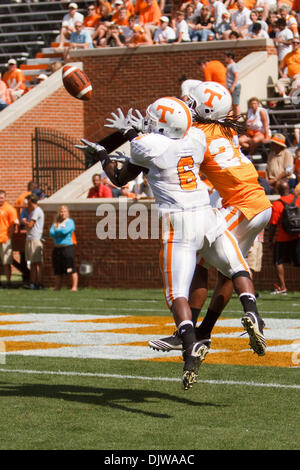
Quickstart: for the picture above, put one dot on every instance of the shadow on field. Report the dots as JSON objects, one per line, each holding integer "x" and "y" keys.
{"x": 119, "y": 399}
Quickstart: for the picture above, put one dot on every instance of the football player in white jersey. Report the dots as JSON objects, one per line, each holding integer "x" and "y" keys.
{"x": 245, "y": 206}
{"x": 171, "y": 158}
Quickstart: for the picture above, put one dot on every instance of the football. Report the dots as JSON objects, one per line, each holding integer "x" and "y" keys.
{"x": 77, "y": 83}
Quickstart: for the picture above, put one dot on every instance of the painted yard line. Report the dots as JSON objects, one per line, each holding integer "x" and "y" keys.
{"x": 85, "y": 308}
{"x": 126, "y": 309}
{"x": 141, "y": 377}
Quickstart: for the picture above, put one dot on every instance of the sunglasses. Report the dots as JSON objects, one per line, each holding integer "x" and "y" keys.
{"x": 295, "y": 42}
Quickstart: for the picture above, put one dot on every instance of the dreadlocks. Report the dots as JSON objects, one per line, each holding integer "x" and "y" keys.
{"x": 228, "y": 123}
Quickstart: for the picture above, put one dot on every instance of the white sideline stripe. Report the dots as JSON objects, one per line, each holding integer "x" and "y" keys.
{"x": 141, "y": 377}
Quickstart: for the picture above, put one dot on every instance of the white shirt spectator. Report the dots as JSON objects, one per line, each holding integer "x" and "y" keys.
{"x": 182, "y": 27}
{"x": 241, "y": 18}
{"x": 282, "y": 49}
{"x": 164, "y": 35}
{"x": 70, "y": 21}
{"x": 219, "y": 9}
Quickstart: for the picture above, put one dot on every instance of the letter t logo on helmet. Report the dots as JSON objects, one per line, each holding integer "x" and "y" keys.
{"x": 212, "y": 94}
{"x": 168, "y": 116}
{"x": 164, "y": 109}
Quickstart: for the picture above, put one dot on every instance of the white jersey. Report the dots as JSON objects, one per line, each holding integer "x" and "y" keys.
{"x": 173, "y": 166}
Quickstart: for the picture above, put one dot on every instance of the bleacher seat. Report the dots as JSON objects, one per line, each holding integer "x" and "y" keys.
{"x": 26, "y": 27}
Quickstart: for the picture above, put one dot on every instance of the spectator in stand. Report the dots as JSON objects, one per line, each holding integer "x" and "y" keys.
{"x": 240, "y": 20}
{"x": 213, "y": 70}
{"x": 139, "y": 38}
{"x": 257, "y": 125}
{"x": 286, "y": 248}
{"x": 149, "y": 15}
{"x": 99, "y": 189}
{"x": 41, "y": 78}
{"x": 123, "y": 17}
{"x": 232, "y": 82}
{"x": 254, "y": 17}
{"x": 34, "y": 226}
{"x": 14, "y": 80}
{"x": 128, "y": 31}
{"x": 68, "y": 24}
{"x": 223, "y": 26}
{"x": 202, "y": 27}
{"x": 283, "y": 39}
{"x": 4, "y": 94}
{"x": 257, "y": 32}
{"x": 100, "y": 3}
{"x": 289, "y": 70}
{"x": 79, "y": 39}
{"x": 91, "y": 20}
{"x": 8, "y": 225}
{"x": 233, "y": 36}
{"x": 63, "y": 255}
{"x": 217, "y": 10}
{"x": 105, "y": 22}
{"x": 181, "y": 29}
{"x": 272, "y": 24}
{"x": 280, "y": 163}
{"x": 291, "y": 22}
{"x": 113, "y": 37}
{"x": 143, "y": 189}
{"x": 296, "y": 10}
{"x": 164, "y": 34}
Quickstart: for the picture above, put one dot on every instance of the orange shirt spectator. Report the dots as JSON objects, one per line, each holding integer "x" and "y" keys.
{"x": 122, "y": 17}
{"x": 100, "y": 3}
{"x": 8, "y": 218}
{"x": 150, "y": 13}
{"x": 91, "y": 21}
{"x": 213, "y": 70}
{"x": 139, "y": 37}
{"x": 14, "y": 80}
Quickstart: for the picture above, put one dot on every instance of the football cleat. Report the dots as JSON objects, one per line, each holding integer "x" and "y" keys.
{"x": 254, "y": 325}
{"x": 169, "y": 343}
{"x": 192, "y": 356}
{"x": 278, "y": 290}
{"x": 174, "y": 342}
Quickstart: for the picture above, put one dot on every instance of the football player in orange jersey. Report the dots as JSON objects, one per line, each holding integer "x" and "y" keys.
{"x": 245, "y": 207}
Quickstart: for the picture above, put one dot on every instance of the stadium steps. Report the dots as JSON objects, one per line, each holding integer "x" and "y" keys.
{"x": 38, "y": 21}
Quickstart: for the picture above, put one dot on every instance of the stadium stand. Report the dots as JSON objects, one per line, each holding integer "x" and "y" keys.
{"x": 26, "y": 27}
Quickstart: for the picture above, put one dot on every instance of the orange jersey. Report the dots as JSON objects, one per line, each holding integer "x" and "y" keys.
{"x": 292, "y": 61}
{"x": 231, "y": 173}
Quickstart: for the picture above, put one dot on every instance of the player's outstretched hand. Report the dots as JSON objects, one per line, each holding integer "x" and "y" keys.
{"x": 90, "y": 147}
{"x": 119, "y": 121}
{"x": 136, "y": 121}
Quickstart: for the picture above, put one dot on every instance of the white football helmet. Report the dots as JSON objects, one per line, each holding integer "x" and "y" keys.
{"x": 168, "y": 116}
{"x": 210, "y": 100}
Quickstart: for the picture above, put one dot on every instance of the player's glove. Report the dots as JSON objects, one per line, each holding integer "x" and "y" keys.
{"x": 90, "y": 147}
{"x": 136, "y": 121}
{"x": 119, "y": 121}
{"x": 91, "y": 152}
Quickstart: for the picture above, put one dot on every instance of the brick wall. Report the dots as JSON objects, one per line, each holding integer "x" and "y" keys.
{"x": 134, "y": 263}
{"x": 59, "y": 111}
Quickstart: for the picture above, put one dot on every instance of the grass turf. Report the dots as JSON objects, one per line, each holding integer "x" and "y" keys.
{"x": 126, "y": 404}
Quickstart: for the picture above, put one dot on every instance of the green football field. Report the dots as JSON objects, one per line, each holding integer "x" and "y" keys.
{"x": 76, "y": 373}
